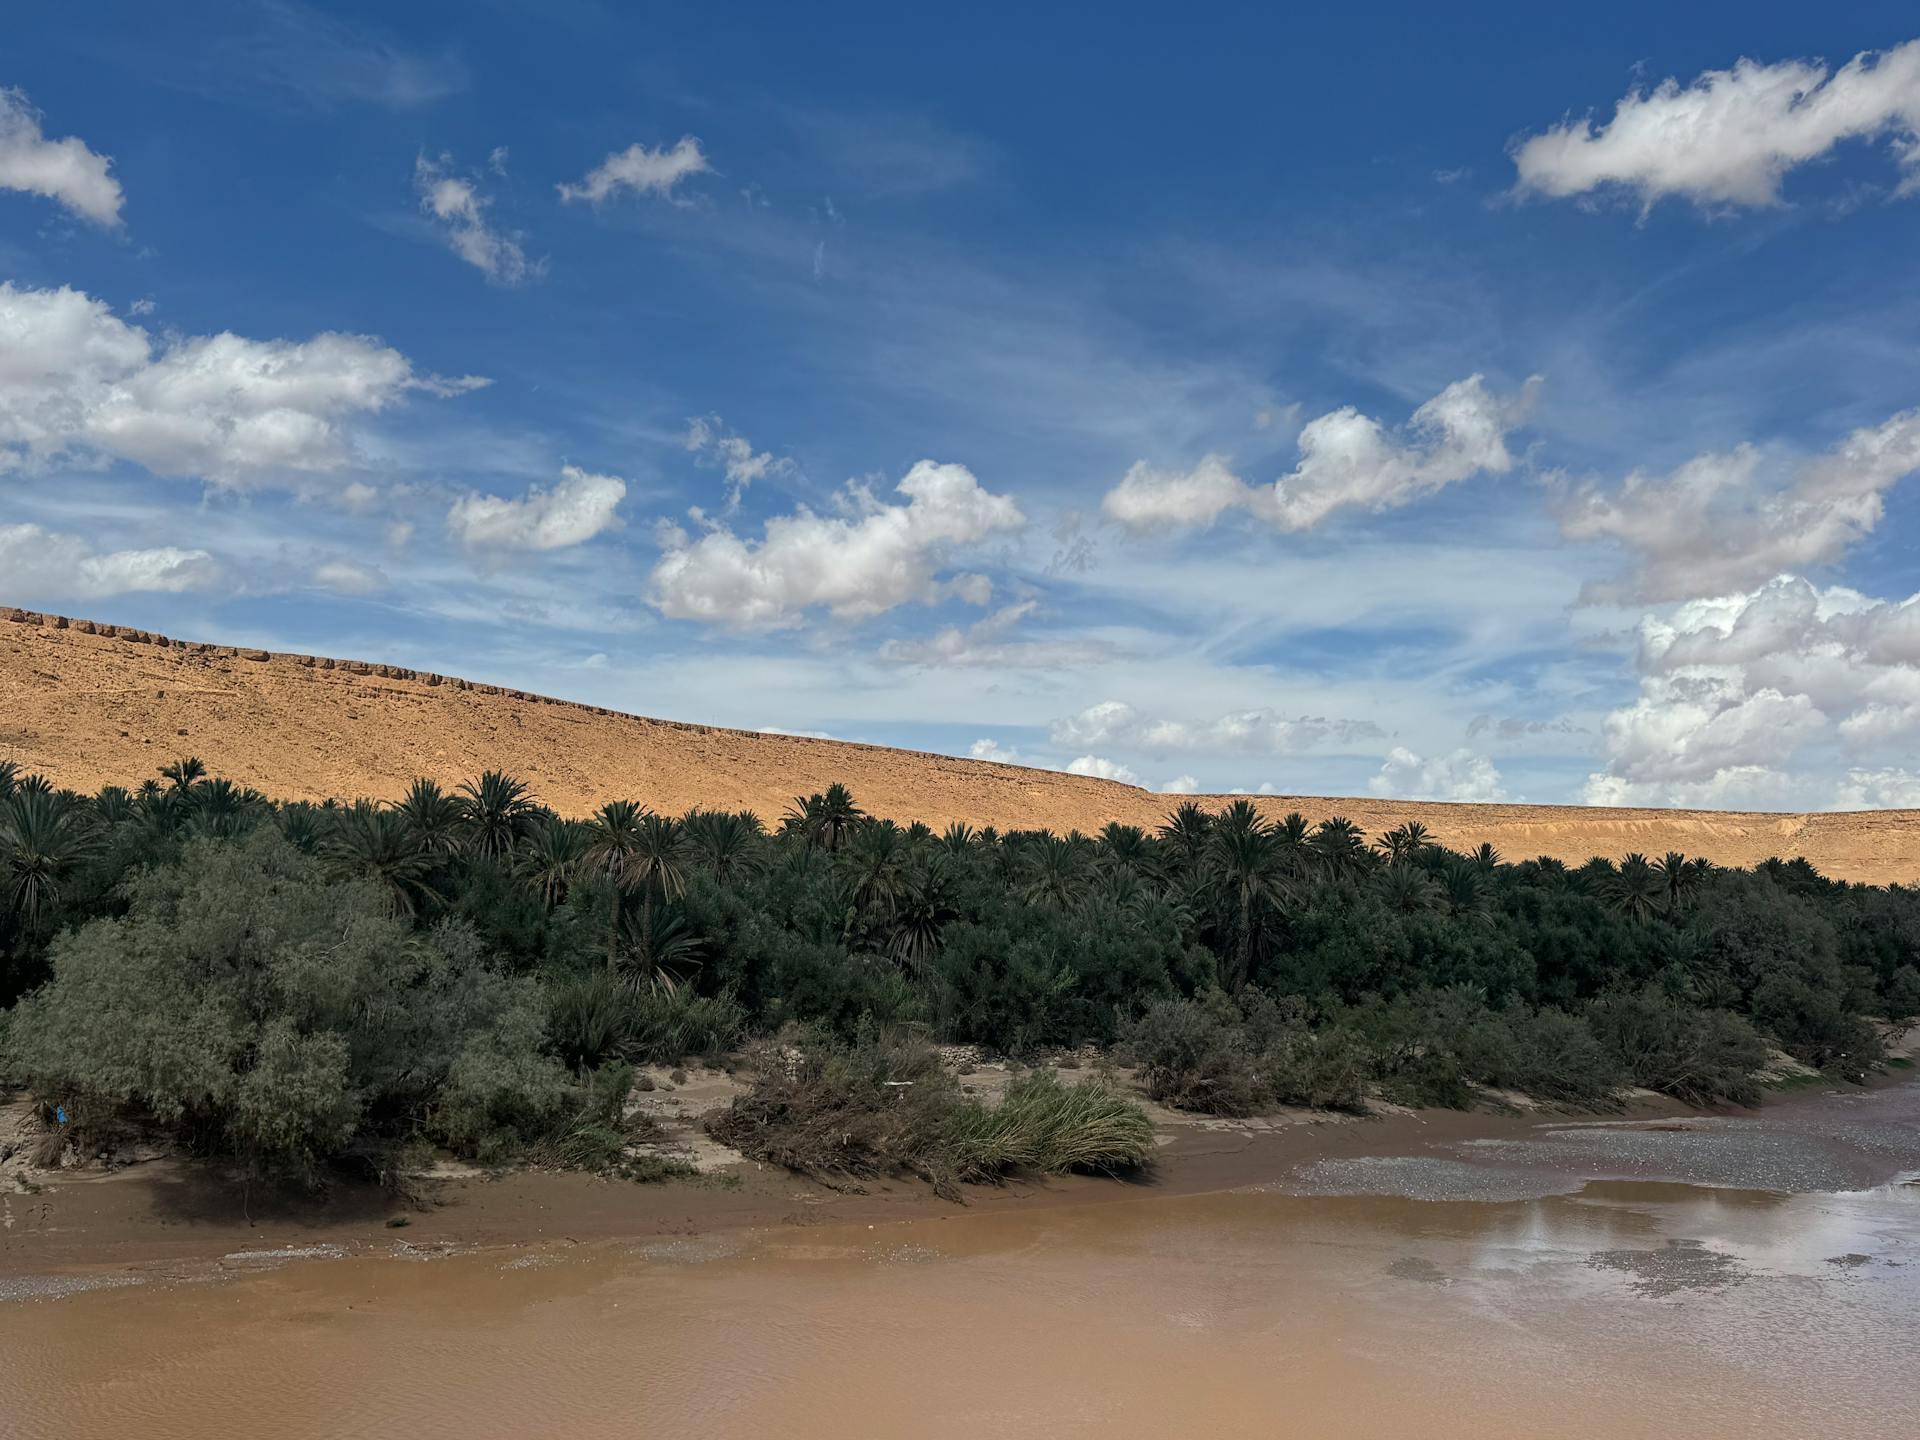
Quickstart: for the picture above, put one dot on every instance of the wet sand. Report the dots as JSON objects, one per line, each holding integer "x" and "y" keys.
{"x": 1748, "y": 1276}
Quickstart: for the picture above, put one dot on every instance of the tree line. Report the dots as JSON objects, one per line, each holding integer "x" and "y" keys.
{"x": 296, "y": 983}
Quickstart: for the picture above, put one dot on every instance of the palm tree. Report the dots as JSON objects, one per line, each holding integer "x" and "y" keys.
{"x": 876, "y": 864}
{"x": 1125, "y": 843}
{"x": 824, "y": 820}
{"x": 370, "y": 842}
{"x": 1185, "y": 832}
{"x": 111, "y": 806}
{"x": 1464, "y": 881}
{"x": 658, "y": 953}
{"x": 433, "y": 815}
{"x": 1054, "y": 877}
{"x": 185, "y": 773}
{"x": 1405, "y": 887}
{"x": 1486, "y": 857}
{"x": 222, "y": 809}
{"x": 9, "y": 776}
{"x": 304, "y": 826}
{"x": 495, "y": 811}
{"x": 728, "y": 845}
{"x": 1680, "y": 877}
{"x": 1404, "y": 841}
{"x": 1636, "y": 889}
{"x": 1244, "y": 857}
{"x": 613, "y": 835}
{"x": 549, "y": 857}
{"x": 1339, "y": 846}
{"x": 922, "y": 910}
{"x": 959, "y": 837}
{"x": 658, "y": 864}
{"x": 41, "y": 840}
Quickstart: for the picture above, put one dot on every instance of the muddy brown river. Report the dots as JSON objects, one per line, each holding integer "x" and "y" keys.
{"x": 1741, "y": 1277}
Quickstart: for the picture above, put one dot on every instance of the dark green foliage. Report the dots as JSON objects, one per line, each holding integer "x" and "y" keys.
{"x": 287, "y": 983}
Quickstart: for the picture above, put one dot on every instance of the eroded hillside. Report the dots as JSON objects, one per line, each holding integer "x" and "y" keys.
{"x": 96, "y": 704}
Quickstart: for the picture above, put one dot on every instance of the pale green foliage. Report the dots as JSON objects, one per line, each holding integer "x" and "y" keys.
{"x": 257, "y": 1007}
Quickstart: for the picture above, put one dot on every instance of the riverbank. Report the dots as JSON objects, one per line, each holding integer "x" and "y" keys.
{"x": 1758, "y": 1276}
{"x": 164, "y": 1213}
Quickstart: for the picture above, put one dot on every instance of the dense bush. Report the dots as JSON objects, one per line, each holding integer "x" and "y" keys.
{"x": 253, "y": 1006}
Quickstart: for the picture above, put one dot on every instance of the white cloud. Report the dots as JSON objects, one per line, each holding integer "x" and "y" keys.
{"x": 989, "y": 749}
{"x": 708, "y": 438}
{"x": 1892, "y": 789}
{"x": 988, "y": 642}
{"x": 38, "y": 562}
{"x": 641, "y": 170}
{"x": 1243, "y": 732}
{"x": 874, "y": 557}
{"x": 1735, "y": 689}
{"x": 461, "y": 210}
{"x": 75, "y": 379}
{"x": 1181, "y": 785}
{"x": 1148, "y": 498}
{"x": 572, "y": 511}
{"x": 65, "y": 171}
{"x": 1738, "y": 787}
{"x": 1101, "y": 768}
{"x": 1722, "y": 522}
{"x": 1347, "y": 460}
{"x": 1729, "y": 137}
{"x": 1461, "y": 775}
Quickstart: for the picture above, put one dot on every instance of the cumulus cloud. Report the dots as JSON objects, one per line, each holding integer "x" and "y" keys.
{"x": 1730, "y": 136}
{"x": 1726, "y": 521}
{"x": 1347, "y": 461}
{"x": 713, "y": 443}
{"x": 460, "y": 210}
{"x": 570, "y": 512}
{"x": 1732, "y": 690}
{"x": 1148, "y": 498}
{"x": 1461, "y": 775}
{"x": 1181, "y": 785}
{"x": 1101, "y": 768}
{"x": 986, "y": 748}
{"x": 643, "y": 171}
{"x": 39, "y": 562}
{"x": 1891, "y": 789}
{"x": 867, "y": 560}
{"x": 77, "y": 381}
{"x": 64, "y": 171}
{"x": 1244, "y": 732}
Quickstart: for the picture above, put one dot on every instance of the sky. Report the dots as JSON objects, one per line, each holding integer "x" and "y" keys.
{"x": 1397, "y": 401}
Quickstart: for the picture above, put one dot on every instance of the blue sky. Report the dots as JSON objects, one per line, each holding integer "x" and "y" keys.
{"x": 1390, "y": 402}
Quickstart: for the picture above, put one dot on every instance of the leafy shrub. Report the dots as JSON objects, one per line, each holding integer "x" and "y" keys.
{"x": 1699, "y": 1056}
{"x": 258, "y": 1009}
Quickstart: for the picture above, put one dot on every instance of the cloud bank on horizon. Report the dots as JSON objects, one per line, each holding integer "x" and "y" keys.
{"x": 1390, "y": 470}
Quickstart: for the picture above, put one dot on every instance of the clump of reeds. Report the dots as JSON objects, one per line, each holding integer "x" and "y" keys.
{"x": 843, "y": 1113}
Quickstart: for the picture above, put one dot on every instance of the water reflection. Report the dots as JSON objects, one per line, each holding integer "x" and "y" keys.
{"x": 1617, "y": 1307}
